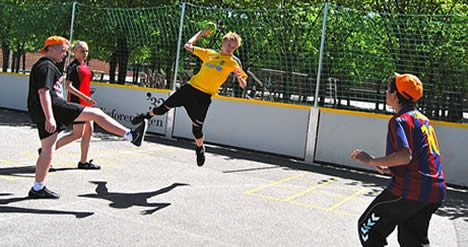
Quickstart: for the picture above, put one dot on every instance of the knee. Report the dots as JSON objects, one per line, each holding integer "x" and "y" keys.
{"x": 86, "y": 135}
{"x": 197, "y": 131}
{"x": 93, "y": 111}
{"x": 88, "y": 128}
{"x": 160, "y": 110}
{"x": 93, "y": 114}
{"x": 86, "y": 138}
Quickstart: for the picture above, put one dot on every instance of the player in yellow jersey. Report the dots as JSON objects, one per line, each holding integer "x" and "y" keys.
{"x": 196, "y": 95}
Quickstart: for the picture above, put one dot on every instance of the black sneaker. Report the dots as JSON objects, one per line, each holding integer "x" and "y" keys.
{"x": 139, "y": 133}
{"x": 88, "y": 165}
{"x": 51, "y": 168}
{"x": 140, "y": 117}
{"x": 44, "y": 193}
{"x": 200, "y": 151}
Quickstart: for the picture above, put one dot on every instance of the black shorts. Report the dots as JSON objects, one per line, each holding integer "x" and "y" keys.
{"x": 64, "y": 112}
{"x": 195, "y": 102}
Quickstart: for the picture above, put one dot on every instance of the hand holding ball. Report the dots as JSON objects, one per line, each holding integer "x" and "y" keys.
{"x": 209, "y": 25}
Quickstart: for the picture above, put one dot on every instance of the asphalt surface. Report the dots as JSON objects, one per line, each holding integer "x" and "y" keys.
{"x": 155, "y": 195}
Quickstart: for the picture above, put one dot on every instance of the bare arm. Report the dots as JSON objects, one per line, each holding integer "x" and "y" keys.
{"x": 240, "y": 79}
{"x": 69, "y": 86}
{"x": 398, "y": 158}
{"x": 383, "y": 169}
{"x": 46, "y": 104}
{"x": 189, "y": 45}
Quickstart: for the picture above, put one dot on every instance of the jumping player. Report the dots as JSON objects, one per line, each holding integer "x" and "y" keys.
{"x": 195, "y": 96}
{"x": 417, "y": 188}
{"x": 51, "y": 112}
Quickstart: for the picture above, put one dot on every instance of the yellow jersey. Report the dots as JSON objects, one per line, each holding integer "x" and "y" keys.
{"x": 214, "y": 70}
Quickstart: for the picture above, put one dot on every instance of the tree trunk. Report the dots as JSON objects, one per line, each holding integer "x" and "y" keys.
{"x": 6, "y": 56}
{"x": 112, "y": 68}
{"x": 122, "y": 53}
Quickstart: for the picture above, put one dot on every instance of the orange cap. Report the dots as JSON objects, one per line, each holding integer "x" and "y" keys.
{"x": 409, "y": 86}
{"x": 55, "y": 40}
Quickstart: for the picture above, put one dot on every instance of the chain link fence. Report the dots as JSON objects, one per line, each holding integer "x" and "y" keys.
{"x": 281, "y": 51}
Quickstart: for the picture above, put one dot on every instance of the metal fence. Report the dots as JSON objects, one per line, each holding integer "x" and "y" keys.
{"x": 323, "y": 55}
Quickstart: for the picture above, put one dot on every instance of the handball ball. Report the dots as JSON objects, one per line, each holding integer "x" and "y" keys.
{"x": 210, "y": 26}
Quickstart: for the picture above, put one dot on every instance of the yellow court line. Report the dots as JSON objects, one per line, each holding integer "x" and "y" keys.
{"x": 274, "y": 183}
{"x": 106, "y": 162}
{"x": 9, "y": 178}
{"x": 345, "y": 213}
{"x": 322, "y": 208}
{"x": 347, "y": 199}
{"x": 289, "y": 187}
{"x": 266, "y": 197}
{"x": 109, "y": 161}
{"x": 318, "y": 193}
{"x": 307, "y": 205}
{"x": 11, "y": 162}
{"x": 308, "y": 190}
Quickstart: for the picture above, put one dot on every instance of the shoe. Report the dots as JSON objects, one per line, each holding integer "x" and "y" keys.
{"x": 139, "y": 133}
{"x": 44, "y": 193}
{"x": 88, "y": 165}
{"x": 140, "y": 117}
{"x": 200, "y": 151}
{"x": 51, "y": 168}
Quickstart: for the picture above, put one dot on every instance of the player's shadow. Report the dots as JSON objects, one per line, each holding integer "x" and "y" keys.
{"x": 455, "y": 205}
{"x": 27, "y": 171}
{"x": 9, "y": 117}
{"x": 127, "y": 200}
{"x": 11, "y": 209}
{"x": 18, "y": 171}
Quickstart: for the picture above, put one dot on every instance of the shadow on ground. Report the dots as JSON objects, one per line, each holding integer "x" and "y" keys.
{"x": 11, "y": 209}
{"x": 126, "y": 200}
{"x": 455, "y": 207}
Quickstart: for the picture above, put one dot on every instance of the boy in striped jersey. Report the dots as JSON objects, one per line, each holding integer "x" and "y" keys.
{"x": 417, "y": 188}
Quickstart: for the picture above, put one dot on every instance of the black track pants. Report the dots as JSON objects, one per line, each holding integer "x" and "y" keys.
{"x": 388, "y": 211}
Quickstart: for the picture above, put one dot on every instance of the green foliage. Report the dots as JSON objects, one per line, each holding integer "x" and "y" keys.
{"x": 365, "y": 41}
{"x": 20, "y": 25}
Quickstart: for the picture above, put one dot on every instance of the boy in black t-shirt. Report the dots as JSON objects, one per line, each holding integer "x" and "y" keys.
{"x": 51, "y": 112}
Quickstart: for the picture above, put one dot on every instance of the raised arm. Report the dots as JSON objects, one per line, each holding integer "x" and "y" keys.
{"x": 189, "y": 45}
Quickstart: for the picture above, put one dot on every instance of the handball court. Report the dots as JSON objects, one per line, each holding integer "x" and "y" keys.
{"x": 156, "y": 195}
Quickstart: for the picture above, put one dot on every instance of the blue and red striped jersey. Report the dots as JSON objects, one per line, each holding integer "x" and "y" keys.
{"x": 422, "y": 179}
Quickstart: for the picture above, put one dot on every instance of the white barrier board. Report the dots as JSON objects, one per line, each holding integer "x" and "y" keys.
{"x": 251, "y": 125}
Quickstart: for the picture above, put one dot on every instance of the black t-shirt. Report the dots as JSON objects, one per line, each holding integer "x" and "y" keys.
{"x": 72, "y": 75}
{"x": 44, "y": 74}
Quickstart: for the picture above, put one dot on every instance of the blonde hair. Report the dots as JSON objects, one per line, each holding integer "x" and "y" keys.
{"x": 234, "y": 37}
{"x": 79, "y": 44}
